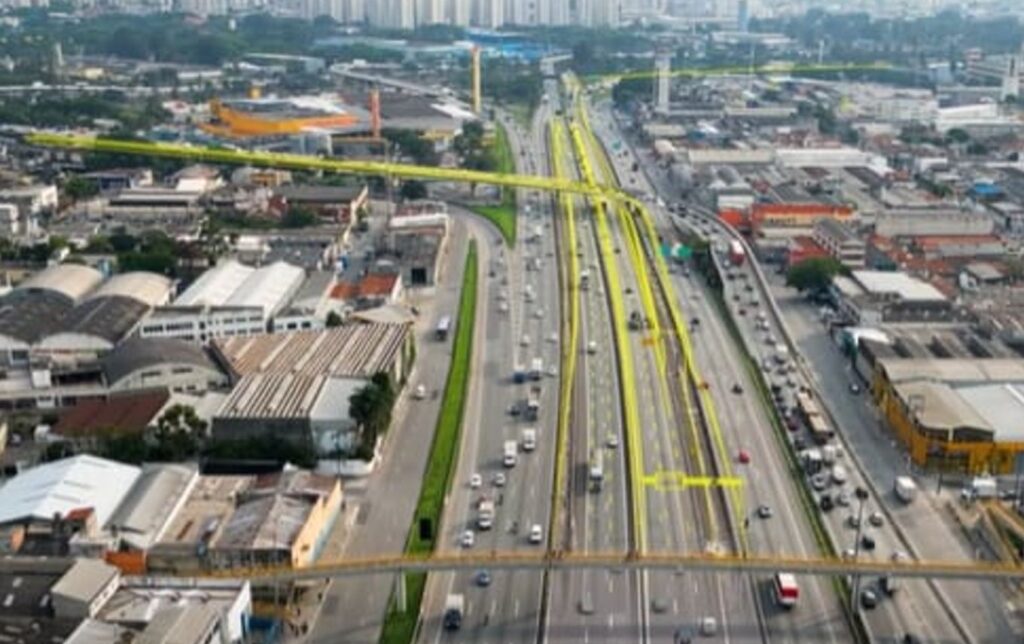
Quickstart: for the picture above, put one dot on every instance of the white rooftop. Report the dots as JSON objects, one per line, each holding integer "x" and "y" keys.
{"x": 906, "y": 287}
{"x": 1001, "y": 405}
{"x": 61, "y": 486}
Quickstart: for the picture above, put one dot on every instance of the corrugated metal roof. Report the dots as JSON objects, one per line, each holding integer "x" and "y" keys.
{"x": 352, "y": 351}
{"x": 150, "y": 504}
{"x": 269, "y": 287}
{"x": 68, "y": 484}
{"x": 148, "y": 288}
{"x": 1001, "y": 405}
{"x": 85, "y": 579}
{"x": 273, "y": 396}
{"x": 73, "y": 281}
{"x": 215, "y": 286}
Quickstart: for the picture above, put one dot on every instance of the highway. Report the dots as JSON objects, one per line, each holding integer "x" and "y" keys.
{"x": 509, "y": 608}
{"x": 915, "y": 608}
{"x": 593, "y": 605}
{"x": 671, "y": 443}
{"x": 747, "y": 427}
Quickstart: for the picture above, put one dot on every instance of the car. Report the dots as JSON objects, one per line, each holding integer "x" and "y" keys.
{"x": 475, "y": 481}
{"x": 553, "y": 371}
{"x": 743, "y": 457}
{"x": 843, "y": 500}
{"x": 538, "y": 313}
{"x": 868, "y": 598}
{"x": 553, "y": 338}
{"x": 503, "y": 307}
{"x": 853, "y": 521}
{"x": 849, "y": 553}
{"x": 867, "y": 542}
{"x": 764, "y": 512}
{"x": 742, "y": 311}
{"x": 592, "y": 347}
{"x": 826, "y": 504}
{"x": 799, "y": 443}
{"x": 876, "y": 519}
{"x": 819, "y": 482}
{"x": 613, "y": 441}
{"x": 421, "y": 392}
{"x": 524, "y": 341}
{"x": 737, "y": 388}
{"x": 629, "y": 290}
{"x": 736, "y": 297}
{"x": 483, "y": 578}
{"x": 910, "y": 638}
{"x": 514, "y": 409}
{"x": 536, "y": 533}
{"x": 467, "y": 539}
{"x": 854, "y": 388}
{"x": 499, "y": 479}
{"x": 502, "y": 295}
{"x": 898, "y": 556}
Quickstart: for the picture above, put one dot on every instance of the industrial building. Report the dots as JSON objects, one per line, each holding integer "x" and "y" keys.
{"x": 226, "y": 521}
{"x": 147, "y": 363}
{"x": 268, "y": 117}
{"x": 876, "y": 297}
{"x": 67, "y": 312}
{"x": 296, "y": 386}
{"x": 957, "y": 415}
{"x": 840, "y": 242}
{"x": 55, "y": 490}
{"x": 352, "y": 351}
{"x": 227, "y": 300}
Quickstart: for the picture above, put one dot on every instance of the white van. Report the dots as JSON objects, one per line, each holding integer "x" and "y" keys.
{"x": 511, "y": 454}
{"x": 529, "y": 439}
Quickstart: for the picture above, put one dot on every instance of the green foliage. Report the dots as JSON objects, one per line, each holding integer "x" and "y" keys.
{"x": 371, "y": 408}
{"x": 813, "y": 274}
{"x": 630, "y": 90}
{"x": 412, "y": 145}
{"x": 333, "y": 320}
{"x": 154, "y": 251}
{"x": 958, "y": 135}
{"x": 41, "y": 111}
{"x": 77, "y": 188}
{"x": 503, "y": 215}
{"x": 412, "y": 190}
{"x": 400, "y": 626}
{"x": 299, "y": 217}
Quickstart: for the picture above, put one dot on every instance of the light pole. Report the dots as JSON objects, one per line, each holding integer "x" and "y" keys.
{"x": 862, "y": 496}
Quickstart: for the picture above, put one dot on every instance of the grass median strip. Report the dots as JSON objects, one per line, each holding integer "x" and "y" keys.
{"x": 502, "y": 215}
{"x": 399, "y": 627}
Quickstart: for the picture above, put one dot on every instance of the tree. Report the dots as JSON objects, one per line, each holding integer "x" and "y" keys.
{"x": 77, "y": 188}
{"x": 813, "y": 274}
{"x": 958, "y": 135}
{"x": 333, "y": 320}
{"x": 298, "y": 217}
{"x": 370, "y": 408}
{"x": 413, "y": 189}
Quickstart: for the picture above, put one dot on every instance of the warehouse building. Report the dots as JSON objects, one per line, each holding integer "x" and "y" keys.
{"x": 59, "y": 488}
{"x": 281, "y": 518}
{"x": 875, "y": 297}
{"x": 227, "y": 300}
{"x": 148, "y": 363}
{"x": 36, "y": 307}
{"x": 958, "y": 415}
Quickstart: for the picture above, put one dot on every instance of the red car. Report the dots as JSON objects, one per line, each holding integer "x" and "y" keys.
{"x": 744, "y": 457}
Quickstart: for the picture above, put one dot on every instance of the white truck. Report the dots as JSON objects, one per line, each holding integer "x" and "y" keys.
{"x": 529, "y": 439}
{"x": 536, "y": 368}
{"x": 533, "y": 403}
{"x": 983, "y": 487}
{"x": 511, "y": 454}
{"x": 485, "y": 513}
{"x": 596, "y": 470}
{"x": 454, "y": 607}
{"x": 905, "y": 489}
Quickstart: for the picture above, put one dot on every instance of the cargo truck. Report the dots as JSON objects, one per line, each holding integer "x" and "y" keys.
{"x": 905, "y": 489}
{"x": 536, "y": 369}
{"x": 454, "y": 606}
{"x": 596, "y": 470}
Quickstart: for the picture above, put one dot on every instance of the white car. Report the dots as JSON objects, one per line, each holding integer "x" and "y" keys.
{"x": 499, "y": 479}
{"x": 467, "y": 539}
{"x": 475, "y": 481}
{"x": 524, "y": 341}
{"x": 592, "y": 347}
{"x": 538, "y": 313}
{"x": 536, "y": 533}
{"x": 503, "y": 307}
{"x": 421, "y": 392}
{"x": 553, "y": 338}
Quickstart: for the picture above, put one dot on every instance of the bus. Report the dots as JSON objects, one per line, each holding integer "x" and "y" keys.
{"x": 444, "y": 325}
{"x": 785, "y": 589}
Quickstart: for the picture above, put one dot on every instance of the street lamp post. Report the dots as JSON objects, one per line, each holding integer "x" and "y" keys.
{"x": 862, "y": 496}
